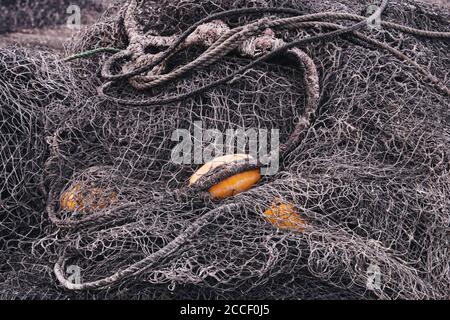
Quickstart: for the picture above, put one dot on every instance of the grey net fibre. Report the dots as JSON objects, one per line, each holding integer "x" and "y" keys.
{"x": 369, "y": 175}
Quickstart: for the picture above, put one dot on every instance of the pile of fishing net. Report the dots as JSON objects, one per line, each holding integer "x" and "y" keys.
{"x": 368, "y": 174}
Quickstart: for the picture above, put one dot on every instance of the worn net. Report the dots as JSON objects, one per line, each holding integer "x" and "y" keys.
{"x": 369, "y": 175}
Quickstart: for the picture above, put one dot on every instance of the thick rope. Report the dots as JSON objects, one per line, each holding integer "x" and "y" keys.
{"x": 169, "y": 52}
{"x": 224, "y": 45}
{"x": 312, "y": 93}
{"x": 146, "y": 82}
{"x": 151, "y": 102}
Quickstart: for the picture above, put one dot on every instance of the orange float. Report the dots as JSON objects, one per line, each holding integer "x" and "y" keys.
{"x": 283, "y": 215}
{"x": 232, "y": 185}
{"x": 80, "y": 198}
{"x": 235, "y": 184}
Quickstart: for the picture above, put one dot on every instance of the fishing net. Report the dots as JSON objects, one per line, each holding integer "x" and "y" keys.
{"x": 364, "y": 137}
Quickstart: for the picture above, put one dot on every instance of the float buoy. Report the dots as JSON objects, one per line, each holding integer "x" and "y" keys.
{"x": 226, "y": 176}
{"x": 284, "y": 215}
{"x": 81, "y": 198}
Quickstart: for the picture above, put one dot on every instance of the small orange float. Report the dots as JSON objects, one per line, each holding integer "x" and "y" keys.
{"x": 80, "y": 198}
{"x": 284, "y": 216}
{"x": 232, "y": 185}
{"x": 235, "y": 184}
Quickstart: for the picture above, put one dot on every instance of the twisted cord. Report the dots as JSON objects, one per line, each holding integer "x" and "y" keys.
{"x": 106, "y": 74}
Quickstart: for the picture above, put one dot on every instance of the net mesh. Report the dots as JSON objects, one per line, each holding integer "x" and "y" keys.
{"x": 370, "y": 176}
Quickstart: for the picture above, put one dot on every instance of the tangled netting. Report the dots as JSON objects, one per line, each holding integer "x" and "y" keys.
{"x": 369, "y": 172}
